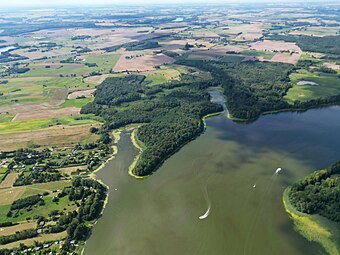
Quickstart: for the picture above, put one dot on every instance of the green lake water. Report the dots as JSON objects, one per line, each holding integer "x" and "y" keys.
{"x": 231, "y": 168}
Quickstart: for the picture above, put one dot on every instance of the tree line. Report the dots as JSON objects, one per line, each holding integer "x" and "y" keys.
{"x": 324, "y": 44}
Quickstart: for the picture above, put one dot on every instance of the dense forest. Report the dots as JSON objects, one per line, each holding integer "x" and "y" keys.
{"x": 251, "y": 88}
{"x": 319, "y": 193}
{"x": 172, "y": 112}
{"x": 325, "y": 44}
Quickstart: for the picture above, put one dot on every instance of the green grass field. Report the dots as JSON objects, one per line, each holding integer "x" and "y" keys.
{"x": 105, "y": 62}
{"x": 329, "y": 85}
{"x": 28, "y": 90}
{"x": 317, "y": 31}
{"x": 162, "y": 76}
{"x": 79, "y": 102}
{"x": 40, "y": 188}
{"x": 63, "y": 205}
{"x": 258, "y": 53}
{"x": 4, "y": 117}
{"x": 66, "y": 69}
{"x": 35, "y": 124}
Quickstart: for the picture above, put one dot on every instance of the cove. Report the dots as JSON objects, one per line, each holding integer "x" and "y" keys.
{"x": 231, "y": 167}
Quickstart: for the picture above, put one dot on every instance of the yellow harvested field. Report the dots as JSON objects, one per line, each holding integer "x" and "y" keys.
{"x": 255, "y": 28}
{"x": 101, "y": 38}
{"x": 208, "y": 34}
{"x": 309, "y": 20}
{"x": 8, "y": 195}
{"x": 70, "y": 170}
{"x": 177, "y": 45}
{"x": 285, "y": 52}
{"x": 274, "y": 46}
{"x": 248, "y": 37}
{"x": 5, "y": 231}
{"x": 42, "y": 238}
{"x": 39, "y": 188}
{"x": 332, "y": 66}
{"x": 317, "y": 31}
{"x": 47, "y": 113}
{"x": 97, "y": 79}
{"x": 8, "y": 39}
{"x": 30, "y": 107}
{"x": 142, "y": 63}
{"x": 82, "y": 93}
{"x": 56, "y": 135}
{"x": 286, "y": 58}
{"x": 39, "y": 53}
{"x": 9, "y": 180}
{"x": 70, "y": 32}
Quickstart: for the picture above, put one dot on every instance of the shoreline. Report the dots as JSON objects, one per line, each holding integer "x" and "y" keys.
{"x": 92, "y": 175}
{"x": 280, "y": 111}
{"x": 210, "y": 115}
{"x": 116, "y": 135}
{"x": 140, "y": 146}
{"x": 314, "y": 228}
{"x": 303, "y": 223}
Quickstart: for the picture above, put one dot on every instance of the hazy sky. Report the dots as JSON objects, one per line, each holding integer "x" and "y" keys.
{"x": 4, "y": 3}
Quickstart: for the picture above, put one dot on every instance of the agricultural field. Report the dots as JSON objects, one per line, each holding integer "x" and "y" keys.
{"x": 164, "y": 75}
{"x": 53, "y": 63}
{"x": 317, "y": 31}
{"x": 325, "y": 85}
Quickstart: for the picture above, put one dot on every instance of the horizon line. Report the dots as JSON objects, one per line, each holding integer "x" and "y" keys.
{"x": 151, "y": 3}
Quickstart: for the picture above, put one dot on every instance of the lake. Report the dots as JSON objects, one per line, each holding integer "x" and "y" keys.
{"x": 230, "y": 168}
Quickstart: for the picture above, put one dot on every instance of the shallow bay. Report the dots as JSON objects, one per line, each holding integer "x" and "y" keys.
{"x": 160, "y": 215}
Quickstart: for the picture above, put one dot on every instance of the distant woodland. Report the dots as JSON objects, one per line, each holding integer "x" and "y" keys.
{"x": 326, "y": 44}
{"x": 252, "y": 88}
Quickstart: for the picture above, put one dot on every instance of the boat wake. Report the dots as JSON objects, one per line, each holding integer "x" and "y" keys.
{"x": 278, "y": 170}
{"x": 206, "y": 214}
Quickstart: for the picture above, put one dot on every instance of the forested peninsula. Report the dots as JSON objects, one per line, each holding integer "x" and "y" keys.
{"x": 313, "y": 204}
{"x": 172, "y": 113}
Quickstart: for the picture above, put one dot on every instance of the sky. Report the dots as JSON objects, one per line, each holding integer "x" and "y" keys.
{"x": 5, "y": 3}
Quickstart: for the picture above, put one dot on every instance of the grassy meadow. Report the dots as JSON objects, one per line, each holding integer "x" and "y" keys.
{"x": 328, "y": 86}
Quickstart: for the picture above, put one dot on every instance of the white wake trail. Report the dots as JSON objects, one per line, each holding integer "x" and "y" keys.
{"x": 278, "y": 170}
{"x": 206, "y": 214}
